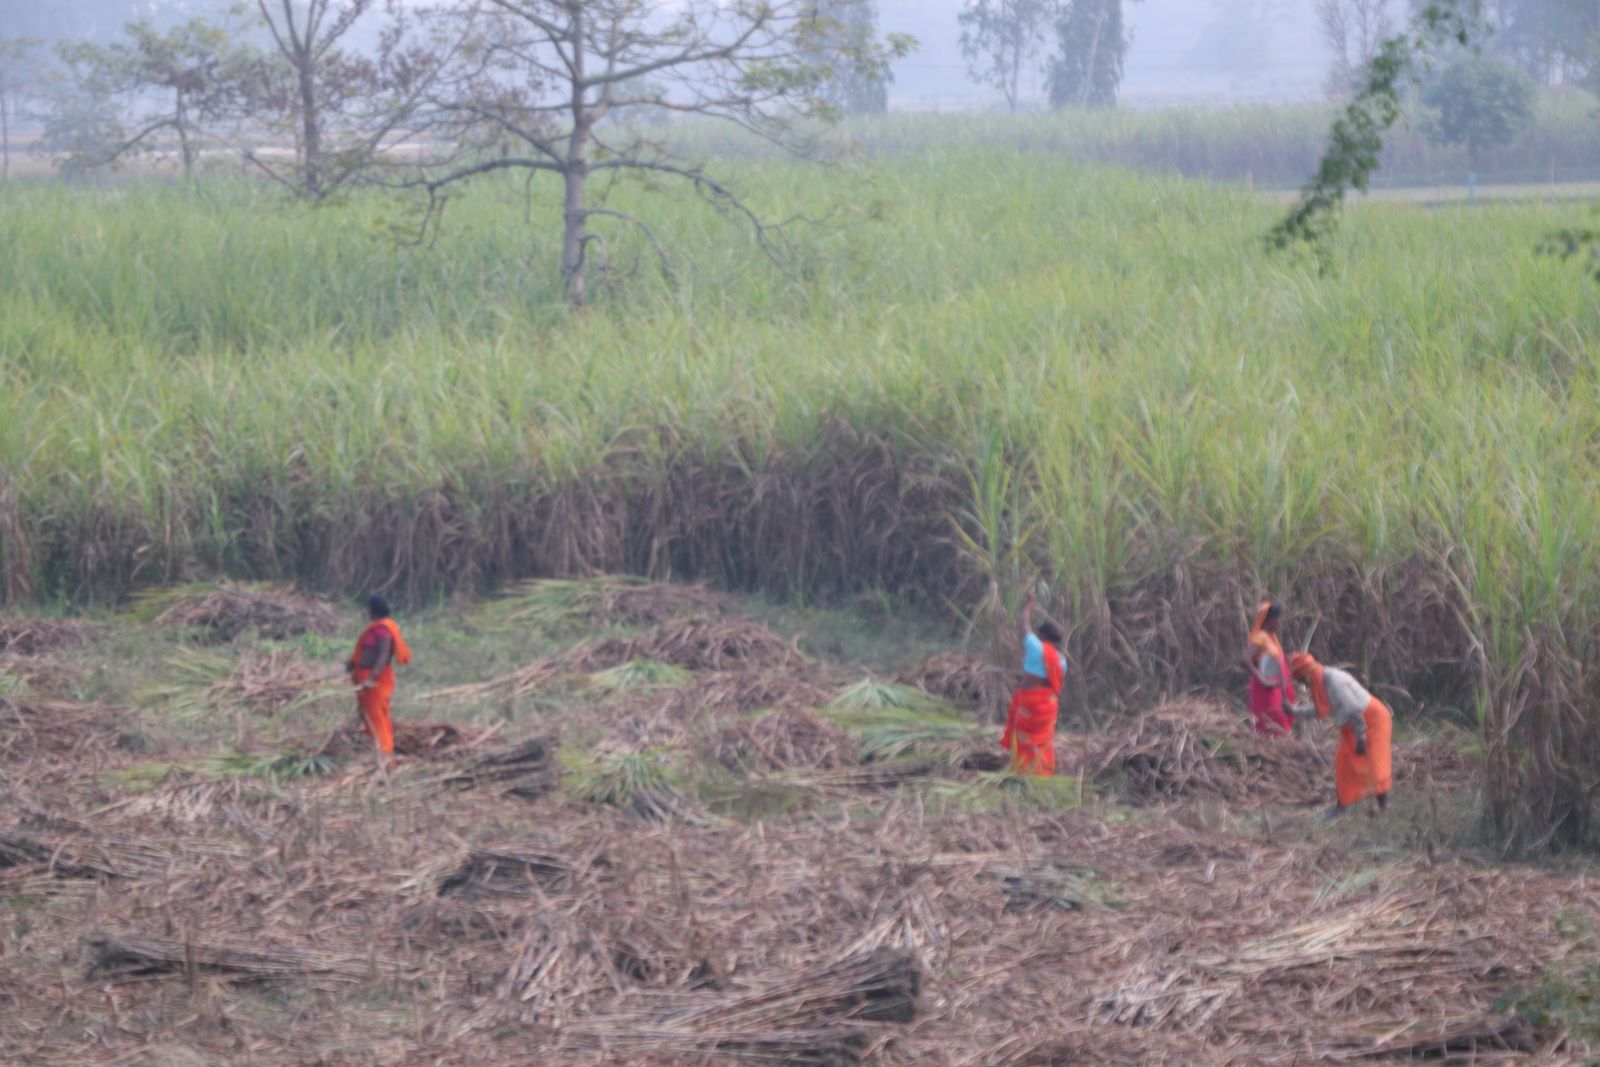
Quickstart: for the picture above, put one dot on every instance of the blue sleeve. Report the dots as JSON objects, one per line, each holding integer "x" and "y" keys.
{"x": 1033, "y": 656}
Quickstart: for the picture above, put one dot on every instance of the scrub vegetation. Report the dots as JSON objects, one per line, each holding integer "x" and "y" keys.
{"x": 1276, "y": 146}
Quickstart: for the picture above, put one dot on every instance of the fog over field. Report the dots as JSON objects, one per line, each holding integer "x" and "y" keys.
{"x": 1184, "y": 51}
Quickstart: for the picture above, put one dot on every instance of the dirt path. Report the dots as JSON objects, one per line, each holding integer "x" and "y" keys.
{"x": 1439, "y": 195}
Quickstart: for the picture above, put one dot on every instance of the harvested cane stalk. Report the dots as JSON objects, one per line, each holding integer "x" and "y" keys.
{"x": 551, "y": 602}
{"x": 225, "y": 611}
{"x": 55, "y": 728}
{"x": 788, "y": 739}
{"x": 29, "y": 637}
{"x": 952, "y": 677}
{"x": 133, "y": 956}
{"x": 1195, "y": 748}
{"x": 511, "y": 870}
{"x": 1067, "y": 888}
{"x": 812, "y": 1018}
{"x": 73, "y": 856}
{"x": 693, "y": 644}
{"x": 878, "y": 986}
{"x": 524, "y": 770}
{"x": 1450, "y": 1038}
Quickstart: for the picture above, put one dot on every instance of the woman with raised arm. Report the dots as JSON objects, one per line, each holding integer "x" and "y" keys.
{"x": 1030, "y": 734}
{"x": 1271, "y": 689}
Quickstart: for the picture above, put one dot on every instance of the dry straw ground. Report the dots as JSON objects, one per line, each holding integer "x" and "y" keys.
{"x": 673, "y": 873}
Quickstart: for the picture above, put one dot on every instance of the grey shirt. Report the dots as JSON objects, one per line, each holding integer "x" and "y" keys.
{"x": 1347, "y": 699}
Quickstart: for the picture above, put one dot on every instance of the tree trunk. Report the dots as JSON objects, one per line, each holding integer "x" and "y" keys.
{"x": 181, "y": 120}
{"x": 1014, "y": 80}
{"x": 310, "y": 124}
{"x": 576, "y": 172}
{"x": 1094, "y": 52}
{"x": 5, "y": 137}
{"x": 576, "y": 227}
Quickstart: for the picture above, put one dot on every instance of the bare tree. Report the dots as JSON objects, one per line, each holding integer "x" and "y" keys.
{"x": 345, "y": 111}
{"x": 321, "y": 77}
{"x": 999, "y": 38}
{"x": 1353, "y": 30}
{"x": 549, "y": 79}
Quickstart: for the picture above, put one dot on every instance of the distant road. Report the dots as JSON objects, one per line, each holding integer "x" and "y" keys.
{"x": 1457, "y": 194}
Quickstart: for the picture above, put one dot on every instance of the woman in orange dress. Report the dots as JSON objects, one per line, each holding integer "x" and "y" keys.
{"x": 371, "y": 668}
{"x": 1361, "y": 766}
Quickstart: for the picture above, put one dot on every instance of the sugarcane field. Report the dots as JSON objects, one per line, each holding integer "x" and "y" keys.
{"x": 838, "y": 533}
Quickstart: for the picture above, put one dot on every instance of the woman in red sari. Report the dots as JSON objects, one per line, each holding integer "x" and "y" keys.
{"x": 1272, "y": 690}
{"x": 371, "y": 668}
{"x": 1030, "y": 734}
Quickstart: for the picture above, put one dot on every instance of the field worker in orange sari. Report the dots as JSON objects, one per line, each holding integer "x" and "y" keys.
{"x": 371, "y": 668}
{"x": 1271, "y": 688}
{"x": 1361, "y": 765}
{"x": 1030, "y": 734}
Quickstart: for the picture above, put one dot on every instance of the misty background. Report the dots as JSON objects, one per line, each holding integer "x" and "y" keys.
{"x": 1190, "y": 52}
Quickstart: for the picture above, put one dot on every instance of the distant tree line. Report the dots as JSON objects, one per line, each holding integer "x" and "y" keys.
{"x": 1551, "y": 42}
{"x": 1004, "y": 42}
{"x": 1473, "y": 66}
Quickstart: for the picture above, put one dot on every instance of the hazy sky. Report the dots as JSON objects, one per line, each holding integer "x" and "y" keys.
{"x": 1195, "y": 50}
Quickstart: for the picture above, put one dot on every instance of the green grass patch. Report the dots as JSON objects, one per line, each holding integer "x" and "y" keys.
{"x": 896, "y": 722}
{"x": 635, "y": 676}
{"x": 1001, "y": 790}
{"x": 279, "y": 767}
{"x": 551, "y": 604}
{"x": 288, "y": 766}
{"x": 183, "y": 688}
{"x": 617, "y": 780}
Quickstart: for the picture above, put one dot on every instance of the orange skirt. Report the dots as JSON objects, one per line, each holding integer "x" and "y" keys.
{"x": 1030, "y": 734}
{"x": 375, "y": 714}
{"x": 1360, "y": 777}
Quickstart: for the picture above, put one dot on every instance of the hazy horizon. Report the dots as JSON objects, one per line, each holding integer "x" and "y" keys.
{"x": 1184, "y": 51}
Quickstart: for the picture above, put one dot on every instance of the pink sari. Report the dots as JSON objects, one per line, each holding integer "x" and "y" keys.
{"x": 1267, "y": 703}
